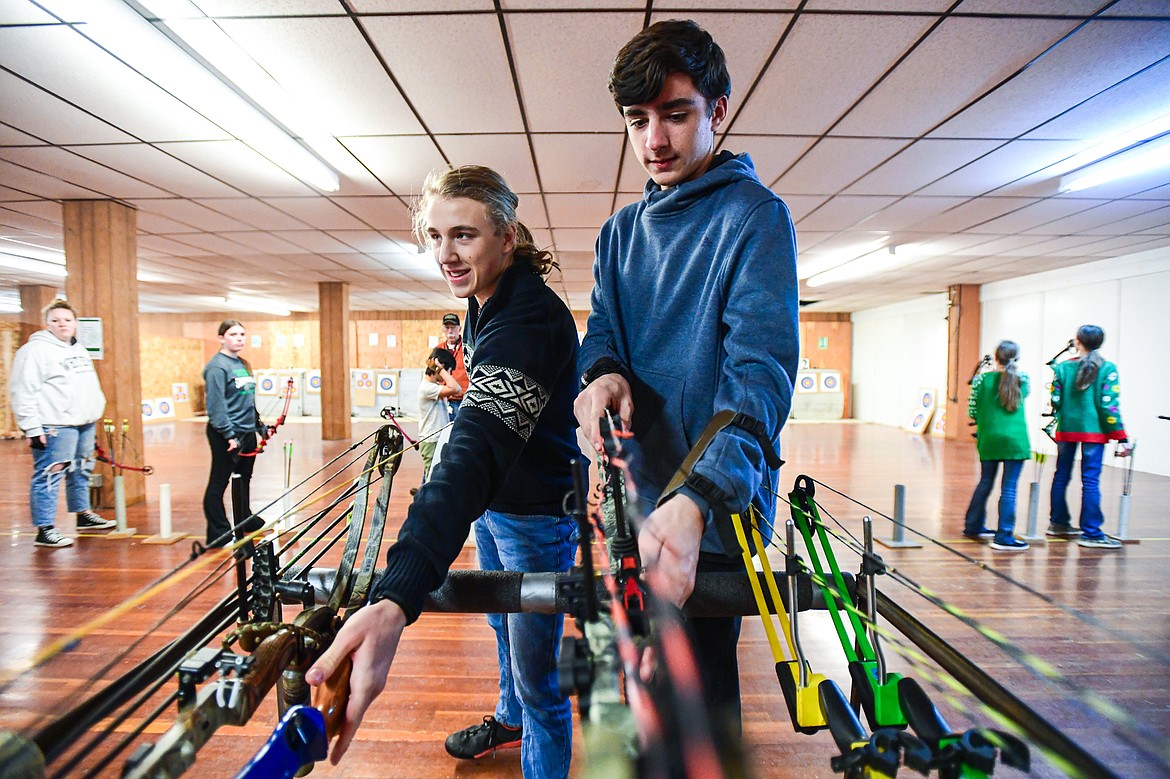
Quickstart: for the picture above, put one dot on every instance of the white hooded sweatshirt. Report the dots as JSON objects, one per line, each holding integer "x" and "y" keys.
{"x": 54, "y": 383}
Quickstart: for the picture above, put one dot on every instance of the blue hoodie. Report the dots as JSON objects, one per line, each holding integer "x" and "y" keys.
{"x": 695, "y": 296}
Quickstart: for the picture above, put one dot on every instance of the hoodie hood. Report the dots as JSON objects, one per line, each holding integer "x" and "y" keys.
{"x": 726, "y": 168}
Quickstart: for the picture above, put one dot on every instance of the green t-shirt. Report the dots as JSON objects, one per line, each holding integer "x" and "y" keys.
{"x": 1002, "y": 434}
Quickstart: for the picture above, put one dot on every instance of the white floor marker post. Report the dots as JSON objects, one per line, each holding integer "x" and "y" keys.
{"x": 165, "y": 536}
{"x": 120, "y": 530}
{"x": 1123, "y": 506}
{"x": 1033, "y": 535}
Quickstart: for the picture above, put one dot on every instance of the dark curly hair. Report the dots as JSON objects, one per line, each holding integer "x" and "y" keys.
{"x": 676, "y": 46}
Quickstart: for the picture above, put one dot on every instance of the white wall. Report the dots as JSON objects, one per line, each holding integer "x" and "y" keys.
{"x": 1129, "y": 297}
{"x": 897, "y": 350}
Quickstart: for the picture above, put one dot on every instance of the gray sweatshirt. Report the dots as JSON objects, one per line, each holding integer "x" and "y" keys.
{"x": 231, "y": 397}
{"x": 54, "y": 383}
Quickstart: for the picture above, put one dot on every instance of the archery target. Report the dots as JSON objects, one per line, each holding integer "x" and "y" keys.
{"x": 149, "y": 410}
{"x": 387, "y": 384}
{"x": 282, "y": 383}
{"x": 313, "y": 382}
{"x": 179, "y": 392}
{"x": 924, "y": 408}
{"x": 830, "y": 381}
{"x": 362, "y": 383}
{"x": 806, "y": 381}
{"x": 165, "y": 408}
{"x": 265, "y": 383}
{"x": 939, "y": 426}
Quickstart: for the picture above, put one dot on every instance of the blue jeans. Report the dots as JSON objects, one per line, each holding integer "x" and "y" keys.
{"x": 976, "y": 519}
{"x": 453, "y": 408}
{"x": 1091, "y": 516}
{"x": 69, "y": 446}
{"x": 526, "y": 644}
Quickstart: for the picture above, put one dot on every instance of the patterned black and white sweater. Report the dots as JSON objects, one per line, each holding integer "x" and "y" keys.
{"x": 512, "y": 440}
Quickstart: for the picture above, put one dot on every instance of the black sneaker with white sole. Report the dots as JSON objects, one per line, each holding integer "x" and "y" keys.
{"x": 48, "y": 536}
{"x": 87, "y": 520}
{"x": 1009, "y": 545}
{"x": 479, "y": 740}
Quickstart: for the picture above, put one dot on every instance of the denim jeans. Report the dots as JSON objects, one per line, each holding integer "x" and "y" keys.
{"x": 976, "y": 519}
{"x": 71, "y": 446}
{"x": 526, "y": 644}
{"x": 1091, "y": 516}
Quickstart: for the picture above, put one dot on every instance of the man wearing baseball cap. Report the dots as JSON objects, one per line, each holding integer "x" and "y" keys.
{"x": 453, "y": 336}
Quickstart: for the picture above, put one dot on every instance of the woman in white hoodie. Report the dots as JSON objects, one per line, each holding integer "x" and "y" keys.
{"x": 56, "y": 399}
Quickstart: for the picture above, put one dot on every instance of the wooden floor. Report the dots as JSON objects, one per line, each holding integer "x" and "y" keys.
{"x": 444, "y": 677}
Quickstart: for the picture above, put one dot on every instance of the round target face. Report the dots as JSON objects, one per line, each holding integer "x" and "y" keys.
{"x": 927, "y": 399}
{"x": 147, "y": 410}
{"x": 918, "y": 420}
{"x": 386, "y": 383}
{"x": 315, "y": 382}
{"x": 807, "y": 382}
{"x": 267, "y": 384}
{"x": 830, "y": 382}
{"x": 164, "y": 407}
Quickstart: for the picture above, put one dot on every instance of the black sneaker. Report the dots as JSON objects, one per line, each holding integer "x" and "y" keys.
{"x": 1062, "y": 531}
{"x": 1009, "y": 545}
{"x": 87, "y": 520}
{"x": 48, "y": 536}
{"x": 479, "y": 740}
{"x": 982, "y": 535}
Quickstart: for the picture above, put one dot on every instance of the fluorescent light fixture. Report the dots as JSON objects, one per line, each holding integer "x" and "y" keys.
{"x": 1145, "y": 158}
{"x": 260, "y": 305}
{"x": 1110, "y": 146}
{"x": 17, "y": 262}
{"x": 128, "y": 36}
{"x": 839, "y": 257}
{"x": 210, "y": 42}
{"x": 875, "y": 262}
{"x": 36, "y": 251}
{"x": 10, "y": 307}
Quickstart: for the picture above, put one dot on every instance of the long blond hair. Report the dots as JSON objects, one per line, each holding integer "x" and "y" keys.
{"x": 483, "y": 185}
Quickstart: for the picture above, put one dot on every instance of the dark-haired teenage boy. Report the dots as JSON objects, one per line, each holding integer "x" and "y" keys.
{"x": 694, "y": 311}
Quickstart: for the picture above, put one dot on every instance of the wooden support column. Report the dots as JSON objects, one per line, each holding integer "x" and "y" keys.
{"x": 333, "y": 301}
{"x": 963, "y": 333}
{"x": 101, "y": 255}
{"x": 33, "y": 300}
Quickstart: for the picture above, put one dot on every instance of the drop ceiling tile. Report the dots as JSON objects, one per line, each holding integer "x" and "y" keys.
{"x": 244, "y": 170}
{"x": 567, "y": 92}
{"x": 150, "y": 163}
{"x": 920, "y": 164}
{"x": 48, "y": 172}
{"x": 800, "y": 206}
{"x": 784, "y": 101}
{"x": 508, "y": 155}
{"x": 49, "y": 118}
{"x": 969, "y": 215}
{"x": 771, "y": 154}
{"x": 845, "y": 211}
{"x": 401, "y": 162}
{"x": 380, "y": 213}
{"x": 214, "y": 216}
{"x": 14, "y": 220}
{"x": 578, "y": 162}
{"x": 1040, "y": 217}
{"x": 473, "y": 57}
{"x": 315, "y": 241}
{"x": 266, "y": 243}
{"x": 268, "y": 7}
{"x": 255, "y": 213}
{"x": 834, "y": 164}
{"x": 1004, "y": 170}
{"x": 585, "y": 210}
{"x": 950, "y": 69}
{"x": 80, "y": 73}
{"x": 575, "y": 239}
{"x": 907, "y": 212}
{"x": 1102, "y": 54}
{"x": 318, "y": 212}
{"x": 367, "y": 241}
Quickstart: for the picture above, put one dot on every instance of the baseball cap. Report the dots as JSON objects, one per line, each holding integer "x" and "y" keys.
{"x": 450, "y": 319}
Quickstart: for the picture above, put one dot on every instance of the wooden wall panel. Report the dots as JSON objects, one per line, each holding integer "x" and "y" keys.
{"x": 964, "y": 322}
{"x": 837, "y": 332}
{"x": 335, "y": 405}
{"x": 10, "y": 340}
{"x": 167, "y": 361}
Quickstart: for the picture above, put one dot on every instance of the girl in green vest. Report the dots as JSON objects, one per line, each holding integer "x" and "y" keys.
{"x": 997, "y": 406}
{"x": 1085, "y": 401}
